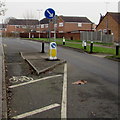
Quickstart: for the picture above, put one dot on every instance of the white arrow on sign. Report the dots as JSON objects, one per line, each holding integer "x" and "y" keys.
{"x": 51, "y": 14}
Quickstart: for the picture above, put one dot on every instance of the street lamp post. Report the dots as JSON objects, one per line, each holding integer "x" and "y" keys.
{"x": 39, "y": 19}
{"x": 107, "y": 16}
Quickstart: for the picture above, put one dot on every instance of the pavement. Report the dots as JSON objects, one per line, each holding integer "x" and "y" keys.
{"x": 3, "y": 105}
{"x": 40, "y": 62}
{"x": 1, "y": 59}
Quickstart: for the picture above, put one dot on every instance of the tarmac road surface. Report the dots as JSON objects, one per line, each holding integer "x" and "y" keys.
{"x": 98, "y": 98}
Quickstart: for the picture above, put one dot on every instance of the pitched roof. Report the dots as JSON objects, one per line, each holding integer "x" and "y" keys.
{"x": 44, "y": 21}
{"x": 23, "y": 22}
{"x": 116, "y": 16}
{"x": 75, "y": 19}
{"x": 68, "y": 19}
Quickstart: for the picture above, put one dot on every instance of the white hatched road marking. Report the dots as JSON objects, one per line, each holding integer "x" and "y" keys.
{"x": 33, "y": 81}
{"x": 64, "y": 95}
{"x": 36, "y": 111}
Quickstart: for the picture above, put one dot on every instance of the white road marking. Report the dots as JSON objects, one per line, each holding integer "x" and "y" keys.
{"x": 5, "y": 45}
{"x": 36, "y": 111}
{"x": 64, "y": 95}
{"x": 33, "y": 81}
{"x": 15, "y": 79}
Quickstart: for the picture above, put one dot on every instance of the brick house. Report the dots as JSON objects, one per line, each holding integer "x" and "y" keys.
{"x": 110, "y": 24}
{"x": 22, "y": 25}
{"x": 67, "y": 26}
{"x": 2, "y": 28}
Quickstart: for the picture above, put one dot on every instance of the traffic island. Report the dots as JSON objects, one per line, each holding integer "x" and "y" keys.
{"x": 40, "y": 62}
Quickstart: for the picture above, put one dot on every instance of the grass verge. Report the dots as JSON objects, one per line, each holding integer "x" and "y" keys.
{"x": 96, "y": 49}
{"x": 114, "y": 57}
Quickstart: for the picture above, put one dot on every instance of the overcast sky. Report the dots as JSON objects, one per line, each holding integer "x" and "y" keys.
{"x": 85, "y": 8}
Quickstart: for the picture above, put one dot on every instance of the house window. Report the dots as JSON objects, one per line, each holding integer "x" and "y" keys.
{"x": 105, "y": 31}
{"x": 55, "y": 25}
{"x": 60, "y": 31}
{"x": 52, "y": 31}
{"x": 61, "y": 24}
{"x": 24, "y": 26}
{"x": 32, "y": 26}
{"x": 17, "y": 26}
{"x": 79, "y": 24}
{"x": 109, "y": 32}
{"x": 38, "y": 26}
{"x": 46, "y": 25}
{"x": 42, "y": 26}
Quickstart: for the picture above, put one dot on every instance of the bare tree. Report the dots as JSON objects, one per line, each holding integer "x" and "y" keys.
{"x": 29, "y": 15}
{"x": 2, "y": 8}
{"x": 6, "y": 21}
{"x": 31, "y": 21}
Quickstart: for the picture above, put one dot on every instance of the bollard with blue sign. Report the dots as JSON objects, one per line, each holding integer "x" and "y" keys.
{"x": 53, "y": 51}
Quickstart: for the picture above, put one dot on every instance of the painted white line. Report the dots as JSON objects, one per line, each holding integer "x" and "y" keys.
{"x": 22, "y": 55}
{"x": 33, "y": 81}
{"x": 64, "y": 94}
{"x": 36, "y": 111}
{"x": 32, "y": 65}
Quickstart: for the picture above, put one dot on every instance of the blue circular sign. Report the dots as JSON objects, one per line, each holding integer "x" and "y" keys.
{"x": 49, "y": 13}
{"x": 53, "y": 45}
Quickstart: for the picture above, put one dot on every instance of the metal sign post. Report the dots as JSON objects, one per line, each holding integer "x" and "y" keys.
{"x": 49, "y": 31}
{"x": 55, "y": 18}
{"x": 50, "y": 13}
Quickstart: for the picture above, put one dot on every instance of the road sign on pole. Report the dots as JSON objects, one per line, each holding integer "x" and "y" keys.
{"x": 49, "y": 13}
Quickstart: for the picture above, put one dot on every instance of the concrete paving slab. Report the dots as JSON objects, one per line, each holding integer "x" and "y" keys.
{"x": 34, "y": 55}
{"x": 40, "y": 63}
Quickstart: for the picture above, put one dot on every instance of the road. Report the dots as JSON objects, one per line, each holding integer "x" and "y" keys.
{"x": 98, "y": 98}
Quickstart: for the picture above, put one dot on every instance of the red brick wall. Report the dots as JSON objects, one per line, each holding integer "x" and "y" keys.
{"x": 112, "y": 25}
{"x": 11, "y": 28}
{"x": 69, "y": 36}
{"x": 74, "y": 26}
{"x": 72, "y": 36}
{"x": 69, "y": 26}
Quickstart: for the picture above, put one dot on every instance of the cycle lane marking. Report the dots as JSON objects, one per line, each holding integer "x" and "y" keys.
{"x": 36, "y": 111}
{"x": 15, "y": 79}
{"x": 64, "y": 95}
{"x": 33, "y": 81}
